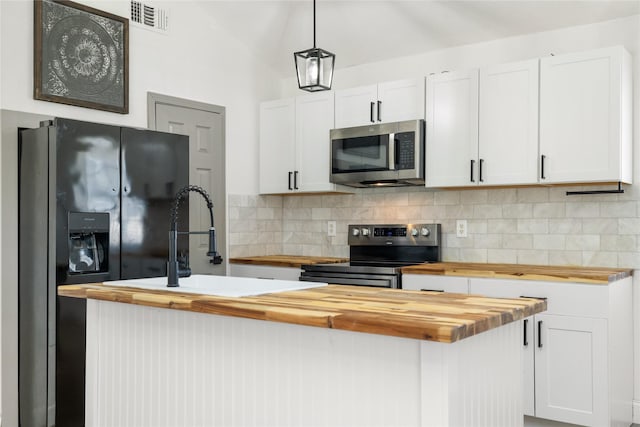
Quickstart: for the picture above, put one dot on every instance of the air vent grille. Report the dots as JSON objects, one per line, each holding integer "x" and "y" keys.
{"x": 149, "y": 16}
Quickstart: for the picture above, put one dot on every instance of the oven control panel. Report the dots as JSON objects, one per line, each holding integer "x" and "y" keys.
{"x": 394, "y": 234}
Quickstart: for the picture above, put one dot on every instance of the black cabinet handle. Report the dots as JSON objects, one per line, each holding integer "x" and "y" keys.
{"x": 480, "y": 171}
{"x": 295, "y": 180}
{"x": 371, "y": 112}
{"x": 526, "y": 341}
{"x": 432, "y": 290}
{"x": 473, "y": 162}
{"x": 542, "y": 157}
{"x": 379, "y": 111}
{"x": 290, "y": 173}
{"x": 539, "y": 333}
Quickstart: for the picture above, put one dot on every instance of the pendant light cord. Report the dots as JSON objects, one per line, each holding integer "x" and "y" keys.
{"x": 314, "y": 24}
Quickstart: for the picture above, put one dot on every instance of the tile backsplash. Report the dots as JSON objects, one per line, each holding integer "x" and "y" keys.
{"x": 539, "y": 225}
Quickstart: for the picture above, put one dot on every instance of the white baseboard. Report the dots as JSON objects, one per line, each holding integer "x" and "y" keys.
{"x": 636, "y": 411}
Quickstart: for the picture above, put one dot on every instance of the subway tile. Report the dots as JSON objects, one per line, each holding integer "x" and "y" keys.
{"x": 599, "y": 225}
{"x": 583, "y": 210}
{"x": 459, "y": 211}
{"x": 477, "y": 226}
{"x": 447, "y": 197}
{"x": 629, "y": 226}
{"x": 517, "y": 241}
{"x": 422, "y": 198}
{"x": 532, "y": 195}
{"x": 620, "y": 243}
{"x": 487, "y": 241}
{"x": 518, "y": 210}
{"x": 487, "y": 211}
{"x": 397, "y": 199}
{"x": 583, "y": 242}
{"x": 311, "y": 201}
{"x": 627, "y": 209}
{"x": 533, "y": 226}
{"x": 502, "y": 196}
{"x": 599, "y": 259}
{"x": 452, "y": 241}
{"x": 502, "y": 256}
{"x": 502, "y": 226}
{"x": 629, "y": 260}
{"x": 321, "y": 214}
{"x": 565, "y": 226}
{"x": 473, "y": 255}
{"x": 535, "y": 257}
{"x": 472, "y": 197}
{"x": 549, "y": 241}
{"x": 549, "y": 210}
{"x": 565, "y": 257}
{"x": 450, "y": 254}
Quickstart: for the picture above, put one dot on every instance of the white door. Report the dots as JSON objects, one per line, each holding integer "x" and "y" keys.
{"x": 571, "y": 369}
{"x": 356, "y": 106}
{"x": 580, "y": 107}
{"x": 452, "y": 129}
{"x": 207, "y": 170}
{"x": 400, "y": 100}
{"x": 277, "y": 146}
{"x": 314, "y": 119}
{"x": 508, "y": 134}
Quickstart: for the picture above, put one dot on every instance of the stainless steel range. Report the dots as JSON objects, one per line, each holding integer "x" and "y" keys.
{"x": 377, "y": 253}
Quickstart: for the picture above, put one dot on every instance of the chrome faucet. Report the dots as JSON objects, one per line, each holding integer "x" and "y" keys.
{"x": 173, "y": 268}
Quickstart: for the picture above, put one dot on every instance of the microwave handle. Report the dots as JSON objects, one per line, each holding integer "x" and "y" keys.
{"x": 392, "y": 151}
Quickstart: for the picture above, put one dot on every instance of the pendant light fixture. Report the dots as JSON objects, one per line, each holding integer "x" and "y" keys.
{"x": 314, "y": 66}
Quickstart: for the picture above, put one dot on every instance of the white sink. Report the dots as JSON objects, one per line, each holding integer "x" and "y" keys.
{"x": 223, "y": 286}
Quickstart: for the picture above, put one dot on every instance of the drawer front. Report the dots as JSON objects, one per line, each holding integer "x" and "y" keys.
{"x": 426, "y": 282}
{"x": 574, "y": 299}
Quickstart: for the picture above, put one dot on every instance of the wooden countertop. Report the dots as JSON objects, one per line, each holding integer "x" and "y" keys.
{"x": 295, "y": 261}
{"x": 433, "y": 316}
{"x": 522, "y": 272}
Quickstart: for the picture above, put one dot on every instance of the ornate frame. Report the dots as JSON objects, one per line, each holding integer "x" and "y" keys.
{"x": 81, "y": 56}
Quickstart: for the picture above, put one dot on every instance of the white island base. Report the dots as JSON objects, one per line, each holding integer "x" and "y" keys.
{"x": 157, "y": 367}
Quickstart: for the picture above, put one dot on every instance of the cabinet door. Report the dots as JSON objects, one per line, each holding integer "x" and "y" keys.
{"x": 400, "y": 100}
{"x": 582, "y": 102}
{"x": 314, "y": 119}
{"x": 426, "y": 282}
{"x": 356, "y": 106}
{"x": 571, "y": 369}
{"x": 277, "y": 146}
{"x": 452, "y": 129}
{"x": 508, "y": 134}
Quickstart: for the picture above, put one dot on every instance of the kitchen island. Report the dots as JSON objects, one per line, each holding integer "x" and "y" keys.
{"x": 334, "y": 355}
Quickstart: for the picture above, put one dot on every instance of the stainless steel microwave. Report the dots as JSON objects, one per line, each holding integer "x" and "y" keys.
{"x": 387, "y": 154}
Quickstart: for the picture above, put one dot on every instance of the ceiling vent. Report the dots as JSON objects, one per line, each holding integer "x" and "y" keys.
{"x": 149, "y": 16}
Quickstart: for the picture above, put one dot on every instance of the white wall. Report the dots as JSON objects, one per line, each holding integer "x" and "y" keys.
{"x": 195, "y": 60}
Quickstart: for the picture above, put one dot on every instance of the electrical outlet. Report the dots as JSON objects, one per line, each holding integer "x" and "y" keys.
{"x": 331, "y": 228}
{"x": 461, "y": 228}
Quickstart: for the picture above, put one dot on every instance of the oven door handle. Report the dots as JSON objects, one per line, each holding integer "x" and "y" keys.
{"x": 378, "y": 283}
{"x": 392, "y": 151}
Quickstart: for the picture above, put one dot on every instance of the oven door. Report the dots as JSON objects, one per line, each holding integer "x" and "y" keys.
{"x": 354, "y": 279}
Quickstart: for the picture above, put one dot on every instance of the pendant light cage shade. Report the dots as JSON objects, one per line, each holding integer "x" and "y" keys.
{"x": 315, "y": 69}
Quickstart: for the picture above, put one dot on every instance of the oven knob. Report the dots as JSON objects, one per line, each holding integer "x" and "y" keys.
{"x": 414, "y": 232}
{"x": 425, "y": 231}
{"x": 365, "y": 231}
{"x": 355, "y": 232}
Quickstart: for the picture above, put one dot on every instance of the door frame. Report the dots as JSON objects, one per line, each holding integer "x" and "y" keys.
{"x": 155, "y": 99}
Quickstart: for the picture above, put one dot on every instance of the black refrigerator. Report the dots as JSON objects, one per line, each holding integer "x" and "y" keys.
{"x": 94, "y": 205}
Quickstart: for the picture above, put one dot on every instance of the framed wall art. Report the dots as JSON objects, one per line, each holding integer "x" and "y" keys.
{"x": 81, "y": 56}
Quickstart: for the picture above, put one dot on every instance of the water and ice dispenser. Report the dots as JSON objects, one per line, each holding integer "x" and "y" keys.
{"x": 88, "y": 243}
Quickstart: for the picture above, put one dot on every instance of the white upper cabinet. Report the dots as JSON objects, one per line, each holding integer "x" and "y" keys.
{"x": 294, "y": 144}
{"x": 508, "y": 139}
{"x": 452, "y": 129}
{"x": 314, "y": 119}
{"x": 585, "y": 117}
{"x": 381, "y": 103}
{"x": 277, "y": 145}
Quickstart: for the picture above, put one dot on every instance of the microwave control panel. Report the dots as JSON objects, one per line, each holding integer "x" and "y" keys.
{"x": 405, "y": 150}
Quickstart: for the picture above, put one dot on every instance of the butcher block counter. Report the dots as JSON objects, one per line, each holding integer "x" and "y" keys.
{"x": 330, "y": 355}
{"x": 432, "y": 316}
{"x": 295, "y": 261}
{"x": 572, "y": 274}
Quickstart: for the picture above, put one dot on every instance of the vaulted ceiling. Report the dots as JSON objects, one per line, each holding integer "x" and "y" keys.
{"x": 363, "y": 31}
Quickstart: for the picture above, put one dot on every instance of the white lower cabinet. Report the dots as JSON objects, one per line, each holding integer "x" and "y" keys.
{"x": 578, "y": 354}
{"x": 264, "y": 272}
{"x": 422, "y": 282}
